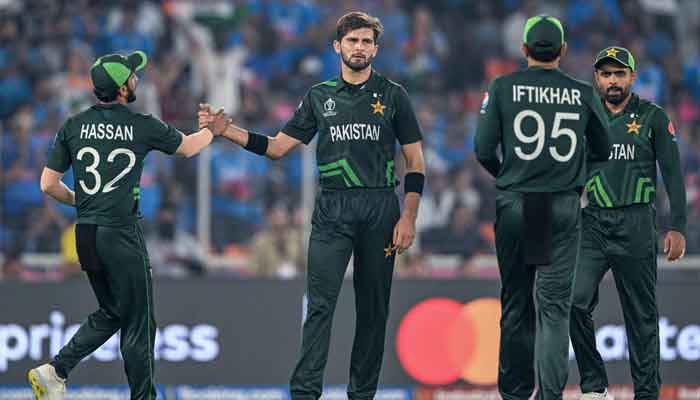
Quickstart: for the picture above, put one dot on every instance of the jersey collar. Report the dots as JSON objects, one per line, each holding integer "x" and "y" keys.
{"x": 109, "y": 106}
{"x": 370, "y": 85}
{"x": 631, "y": 107}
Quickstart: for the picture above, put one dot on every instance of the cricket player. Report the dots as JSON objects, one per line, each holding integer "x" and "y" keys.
{"x": 546, "y": 123}
{"x": 619, "y": 230}
{"x": 359, "y": 117}
{"x": 106, "y": 145}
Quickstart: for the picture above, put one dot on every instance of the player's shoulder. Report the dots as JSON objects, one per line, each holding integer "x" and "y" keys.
{"x": 75, "y": 121}
{"x": 329, "y": 84}
{"x": 649, "y": 106}
{"x": 656, "y": 113}
{"x": 575, "y": 82}
{"x": 146, "y": 118}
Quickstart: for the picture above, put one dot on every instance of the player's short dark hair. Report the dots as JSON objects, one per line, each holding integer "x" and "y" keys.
{"x": 543, "y": 56}
{"x": 357, "y": 20}
{"x": 105, "y": 96}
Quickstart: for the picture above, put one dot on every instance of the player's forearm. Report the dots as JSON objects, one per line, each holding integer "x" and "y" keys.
{"x": 274, "y": 149}
{"x": 236, "y": 134}
{"x": 490, "y": 162}
{"x": 673, "y": 180}
{"x": 485, "y": 149}
{"x": 411, "y": 203}
{"x": 194, "y": 143}
{"x": 60, "y": 192}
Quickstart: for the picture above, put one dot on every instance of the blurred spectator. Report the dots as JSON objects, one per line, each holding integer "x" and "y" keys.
{"x": 174, "y": 252}
{"x": 460, "y": 237}
{"x": 436, "y": 203}
{"x": 69, "y": 253}
{"x": 257, "y": 58}
{"x": 276, "y": 252}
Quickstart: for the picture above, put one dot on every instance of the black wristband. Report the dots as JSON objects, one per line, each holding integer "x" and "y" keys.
{"x": 257, "y": 143}
{"x": 413, "y": 182}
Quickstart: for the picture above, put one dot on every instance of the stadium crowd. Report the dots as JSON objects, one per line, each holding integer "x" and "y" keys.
{"x": 258, "y": 57}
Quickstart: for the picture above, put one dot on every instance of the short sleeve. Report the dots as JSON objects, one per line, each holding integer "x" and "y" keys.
{"x": 59, "y": 155}
{"x": 161, "y": 136}
{"x": 405, "y": 122}
{"x": 302, "y": 125}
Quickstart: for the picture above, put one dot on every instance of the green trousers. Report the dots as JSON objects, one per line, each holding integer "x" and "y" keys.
{"x": 358, "y": 222}
{"x": 624, "y": 240}
{"x": 535, "y": 328}
{"x": 124, "y": 294}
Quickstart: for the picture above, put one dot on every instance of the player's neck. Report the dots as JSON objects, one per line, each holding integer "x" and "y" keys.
{"x": 355, "y": 77}
{"x": 540, "y": 64}
{"x": 119, "y": 100}
{"x": 618, "y": 108}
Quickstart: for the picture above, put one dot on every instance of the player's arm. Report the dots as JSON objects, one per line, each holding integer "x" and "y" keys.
{"x": 194, "y": 143}
{"x": 410, "y": 137}
{"x": 488, "y": 132}
{"x": 214, "y": 124}
{"x": 300, "y": 128}
{"x": 666, "y": 149}
{"x": 597, "y": 130}
{"x": 405, "y": 230}
{"x": 52, "y": 185}
{"x": 59, "y": 161}
{"x": 165, "y": 138}
{"x": 273, "y": 148}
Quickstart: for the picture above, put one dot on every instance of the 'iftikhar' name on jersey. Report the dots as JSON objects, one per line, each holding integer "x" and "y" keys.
{"x": 621, "y": 152}
{"x": 546, "y": 95}
{"x": 355, "y": 132}
{"x": 107, "y": 131}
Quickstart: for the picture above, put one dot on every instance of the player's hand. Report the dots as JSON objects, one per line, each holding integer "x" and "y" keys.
{"x": 674, "y": 246}
{"x": 404, "y": 233}
{"x": 204, "y": 116}
{"x": 216, "y": 122}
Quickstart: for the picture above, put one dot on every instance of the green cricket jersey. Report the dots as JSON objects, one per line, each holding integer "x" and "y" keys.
{"x": 641, "y": 135}
{"x": 106, "y": 145}
{"x": 358, "y": 126}
{"x": 545, "y": 123}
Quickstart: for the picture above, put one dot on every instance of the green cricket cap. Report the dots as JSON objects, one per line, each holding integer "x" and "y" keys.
{"x": 615, "y": 53}
{"x": 543, "y": 34}
{"x": 111, "y": 71}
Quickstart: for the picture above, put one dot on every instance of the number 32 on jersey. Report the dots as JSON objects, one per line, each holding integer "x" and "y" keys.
{"x": 92, "y": 168}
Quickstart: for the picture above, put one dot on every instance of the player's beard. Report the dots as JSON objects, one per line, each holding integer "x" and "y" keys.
{"x": 356, "y": 66}
{"x": 130, "y": 95}
{"x": 617, "y": 97}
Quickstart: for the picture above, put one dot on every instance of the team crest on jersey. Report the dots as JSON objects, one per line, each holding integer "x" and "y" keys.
{"x": 484, "y": 103}
{"x": 329, "y": 107}
{"x": 671, "y": 129}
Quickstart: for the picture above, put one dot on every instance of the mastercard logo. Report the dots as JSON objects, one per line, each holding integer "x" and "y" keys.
{"x": 441, "y": 340}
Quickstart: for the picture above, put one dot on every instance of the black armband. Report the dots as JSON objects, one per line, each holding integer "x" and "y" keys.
{"x": 257, "y": 143}
{"x": 413, "y": 182}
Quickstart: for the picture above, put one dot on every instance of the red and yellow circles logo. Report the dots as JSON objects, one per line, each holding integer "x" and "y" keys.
{"x": 440, "y": 341}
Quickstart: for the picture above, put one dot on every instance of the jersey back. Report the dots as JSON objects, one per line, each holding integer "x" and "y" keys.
{"x": 544, "y": 115}
{"x": 106, "y": 146}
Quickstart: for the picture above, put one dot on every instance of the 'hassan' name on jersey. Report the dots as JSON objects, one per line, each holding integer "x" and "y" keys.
{"x": 546, "y": 95}
{"x": 107, "y": 131}
{"x": 355, "y": 132}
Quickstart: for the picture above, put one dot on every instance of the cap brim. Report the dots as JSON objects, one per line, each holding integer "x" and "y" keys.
{"x": 137, "y": 60}
{"x": 610, "y": 58}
